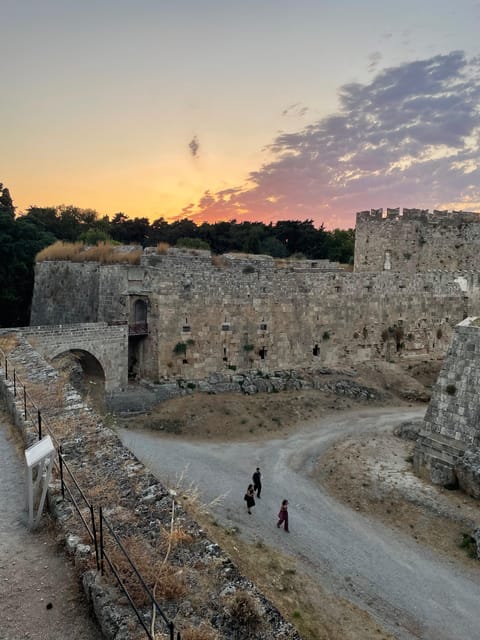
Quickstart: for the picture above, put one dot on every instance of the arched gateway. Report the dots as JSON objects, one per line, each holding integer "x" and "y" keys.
{"x": 107, "y": 345}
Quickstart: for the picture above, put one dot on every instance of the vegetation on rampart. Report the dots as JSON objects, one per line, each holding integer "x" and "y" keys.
{"x": 79, "y": 252}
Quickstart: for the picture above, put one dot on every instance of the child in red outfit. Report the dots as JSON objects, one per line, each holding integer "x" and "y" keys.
{"x": 283, "y": 515}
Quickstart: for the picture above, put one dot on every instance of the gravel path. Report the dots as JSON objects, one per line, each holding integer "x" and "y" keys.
{"x": 33, "y": 574}
{"x": 412, "y": 591}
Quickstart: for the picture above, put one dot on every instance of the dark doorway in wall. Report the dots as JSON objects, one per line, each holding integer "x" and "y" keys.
{"x": 262, "y": 353}
{"x": 140, "y": 311}
{"x": 316, "y": 350}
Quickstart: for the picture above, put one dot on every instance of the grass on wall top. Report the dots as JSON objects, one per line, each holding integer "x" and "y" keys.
{"x": 78, "y": 252}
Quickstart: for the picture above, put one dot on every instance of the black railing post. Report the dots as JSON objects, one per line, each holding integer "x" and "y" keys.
{"x": 94, "y": 531}
{"x": 60, "y": 457}
{"x": 14, "y": 383}
{"x": 39, "y": 415}
{"x": 6, "y": 368}
{"x": 25, "y": 402}
{"x": 101, "y": 540}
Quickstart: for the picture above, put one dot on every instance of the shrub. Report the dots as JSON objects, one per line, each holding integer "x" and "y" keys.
{"x": 180, "y": 348}
{"x": 468, "y": 543}
{"x": 326, "y": 335}
{"x": 192, "y": 243}
{"x": 244, "y": 612}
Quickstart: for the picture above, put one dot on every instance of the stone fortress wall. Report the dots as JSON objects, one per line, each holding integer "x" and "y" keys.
{"x": 448, "y": 448}
{"x": 416, "y": 240}
{"x": 191, "y": 314}
{"x": 238, "y": 312}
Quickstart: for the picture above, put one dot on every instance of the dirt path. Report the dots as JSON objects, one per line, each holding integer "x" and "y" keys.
{"x": 412, "y": 590}
{"x": 39, "y": 594}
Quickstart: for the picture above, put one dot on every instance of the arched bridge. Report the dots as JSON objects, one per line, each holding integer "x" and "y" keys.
{"x": 107, "y": 344}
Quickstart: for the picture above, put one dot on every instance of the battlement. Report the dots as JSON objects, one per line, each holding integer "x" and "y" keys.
{"x": 418, "y": 215}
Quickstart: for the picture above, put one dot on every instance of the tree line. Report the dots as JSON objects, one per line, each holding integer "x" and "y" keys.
{"x": 23, "y": 236}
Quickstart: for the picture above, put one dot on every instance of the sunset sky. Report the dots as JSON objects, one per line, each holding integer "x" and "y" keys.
{"x": 253, "y": 110}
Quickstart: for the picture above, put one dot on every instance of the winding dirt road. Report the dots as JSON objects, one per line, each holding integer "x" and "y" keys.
{"x": 413, "y": 592}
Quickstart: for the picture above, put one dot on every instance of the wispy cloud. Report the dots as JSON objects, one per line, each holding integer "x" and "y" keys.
{"x": 374, "y": 60}
{"x": 194, "y": 146}
{"x": 411, "y": 137}
{"x": 295, "y": 110}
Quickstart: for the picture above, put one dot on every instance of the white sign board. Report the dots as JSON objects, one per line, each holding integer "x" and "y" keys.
{"x": 39, "y": 457}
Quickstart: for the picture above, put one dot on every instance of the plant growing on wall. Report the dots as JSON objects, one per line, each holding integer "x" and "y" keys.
{"x": 248, "y": 347}
{"x": 180, "y": 349}
{"x": 326, "y": 335}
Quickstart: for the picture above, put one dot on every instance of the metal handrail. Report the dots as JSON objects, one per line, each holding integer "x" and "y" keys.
{"x": 101, "y": 553}
{"x": 132, "y": 564}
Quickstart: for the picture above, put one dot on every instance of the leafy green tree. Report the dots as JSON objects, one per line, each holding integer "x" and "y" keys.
{"x": 20, "y": 241}
{"x": 94, "y": 236}
{"x": 193, "y": 243}
{"x": 6, "y": 203}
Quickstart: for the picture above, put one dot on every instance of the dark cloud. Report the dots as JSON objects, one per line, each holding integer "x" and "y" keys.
{"x": 194, "y": 146}
{"x": 411, "y": 137}
{"x": 295, "y": 110}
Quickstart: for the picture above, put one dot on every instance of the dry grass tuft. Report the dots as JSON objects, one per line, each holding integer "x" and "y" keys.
{"x": 176, "y": 537}
{"x": 169, "y": 580}
{"x": 162, "y": 248}
{"x": 8, "y": 342}
{"x": 60, "y": 251}
{"x": 244, "y": 612}
{"x": 103, "y": 253}
{"x": 203, "y": 632}
{"x": 219, "y": 261}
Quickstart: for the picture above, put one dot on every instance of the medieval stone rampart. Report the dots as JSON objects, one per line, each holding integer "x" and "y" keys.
{"x": 451, "y": 429}
{"x": 416, "y": 240}
{"x": 233, "y": 312}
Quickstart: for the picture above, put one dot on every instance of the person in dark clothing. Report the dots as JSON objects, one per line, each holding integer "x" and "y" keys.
{"x": 257, "y": 482}
{"x": 283, "y": 516}
{"x": 249, "y": 497}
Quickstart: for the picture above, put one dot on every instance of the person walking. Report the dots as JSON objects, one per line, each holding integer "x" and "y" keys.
{"x": 257, "y": 481}
{"x": 249, "y": 497}
{"x": 283, "y": 516}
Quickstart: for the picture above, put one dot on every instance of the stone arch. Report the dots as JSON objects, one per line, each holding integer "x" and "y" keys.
{"x": 85, "y": 372}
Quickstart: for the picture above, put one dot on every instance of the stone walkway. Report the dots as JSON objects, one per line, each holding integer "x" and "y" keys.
{"x": 40, "y": 597}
